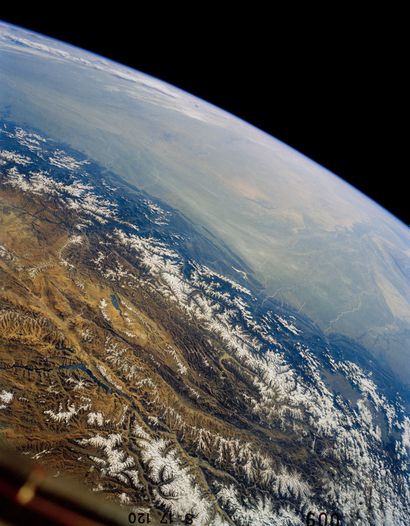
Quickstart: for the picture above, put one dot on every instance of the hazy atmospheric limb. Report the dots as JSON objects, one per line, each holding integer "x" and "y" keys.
{"x": 187, "y": 305}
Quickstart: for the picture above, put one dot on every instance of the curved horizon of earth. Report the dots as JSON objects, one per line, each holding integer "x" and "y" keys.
{"x": 158, "y": 253}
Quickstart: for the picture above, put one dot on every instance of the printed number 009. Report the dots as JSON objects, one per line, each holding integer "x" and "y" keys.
{"x": 322, "y": 519}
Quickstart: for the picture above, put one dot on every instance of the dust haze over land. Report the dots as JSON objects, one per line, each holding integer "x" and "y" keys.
{"x": 312, "y": 240}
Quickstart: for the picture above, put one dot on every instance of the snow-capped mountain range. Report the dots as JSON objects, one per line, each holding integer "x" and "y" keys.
{"x": 218, "y": 401}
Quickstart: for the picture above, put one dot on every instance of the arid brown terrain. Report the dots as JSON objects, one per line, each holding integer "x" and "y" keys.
{"x": 151, "y": 377}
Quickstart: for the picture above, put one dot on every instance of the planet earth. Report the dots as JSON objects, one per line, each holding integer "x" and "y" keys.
{"x": 195, "y": 319}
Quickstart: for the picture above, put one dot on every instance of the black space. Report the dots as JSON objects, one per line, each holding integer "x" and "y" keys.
{"x": 333, "y": 90}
